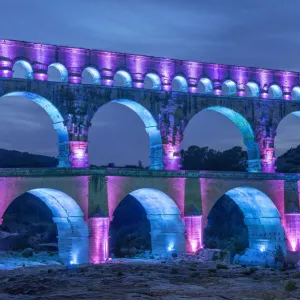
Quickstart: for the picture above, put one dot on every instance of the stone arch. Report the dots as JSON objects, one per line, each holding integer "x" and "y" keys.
{"x": 25, "y": 66}
{"x": 73, "y": 243}
{"x": 58, "y": 125}
{"x": 151, "y": 128}
{"x": 167, "y": 228}
{"x": 205, "y": 86}
{"x": 247, "y": 134}
{"x": 229, "y": 88}
{"x": 91, "y": 75}
{"x": 275, "y": 92}
{"x": 179, "y": 84}
{"x": 263, "y": 221}
{"x": 155, "y": 79}
{"x": 252, "y": 90}
{"x": 296, "y": 93}
{"x": 125, "y": 76}
{"x": 62, "y": 73}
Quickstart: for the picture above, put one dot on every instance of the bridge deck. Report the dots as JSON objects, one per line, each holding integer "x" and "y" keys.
{"x": 59, "y": 172}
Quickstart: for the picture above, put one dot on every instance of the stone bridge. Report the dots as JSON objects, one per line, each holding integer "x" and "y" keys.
{"x": 256, "y": 100}
{"x": 177, "y": 204}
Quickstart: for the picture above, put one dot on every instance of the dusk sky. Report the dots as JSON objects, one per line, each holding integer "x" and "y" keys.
{"x": 248, "y": 33}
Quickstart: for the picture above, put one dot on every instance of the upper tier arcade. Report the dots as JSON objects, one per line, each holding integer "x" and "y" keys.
{"x": 188, "y": 76}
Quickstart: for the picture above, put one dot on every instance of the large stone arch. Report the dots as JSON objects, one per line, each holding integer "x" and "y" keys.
{"x": 73, "y": 243}
{"x": 263, "y": 221}
{"x": 167, "y": 228}
{"x": 247, "y": 133}
{"x": 151, "y": 128}
{"x": 58, "y": 124}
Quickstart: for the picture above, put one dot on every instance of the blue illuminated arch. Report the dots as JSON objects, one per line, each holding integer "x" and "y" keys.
{"x": 156, "y": 152}
{"x": 263, "y": 221}
{"x": 58, "y": 124}
{"x": 127, "y": 81}
{"x": 247, "y": 133}
{"x": 27, "y": 68}
{"x": 73, "y": 243}
{"x": 156, "y": 82}
{"x": 229, "y": 88}
{"x": 181, "y": 82}
{"x": 275, "y": 92}
{"x": 205, "y": 86}
{"x": 62, "y": 71}
{"x": 296, "y": 93}
{"x": 167, "y": 228}
{"x": 93, "y": 73}
{"x": 252, "y": 90}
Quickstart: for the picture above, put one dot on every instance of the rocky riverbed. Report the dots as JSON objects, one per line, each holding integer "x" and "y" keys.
{"x": 173, "y": 278}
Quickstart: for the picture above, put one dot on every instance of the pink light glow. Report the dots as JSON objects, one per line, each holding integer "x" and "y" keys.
{"x": 40, "y": 76}
{"x": 79, "y": 157}
{"x": 99, "y": 228}
{"x": 193, "y": 227}
{"x": 292, "y": 229}
{"x": 138, "y": 85}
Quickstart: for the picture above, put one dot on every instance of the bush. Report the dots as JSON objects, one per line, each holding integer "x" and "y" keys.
{"x": 297, "y": 275}
{"x": 28, "y": 252}
{"x": 290, "y": 285}
{"x": 220, "y": 266}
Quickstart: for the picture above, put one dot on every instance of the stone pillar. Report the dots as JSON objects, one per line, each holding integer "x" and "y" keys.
{"x": 265, "y": 135}
{"x": 171, "y": 130}
{"x": 291, "y": 220}
{"x": 75, "y": 75}
{"x": 78, "y": 135}
{"x": 64, "y": 155}
{"x": 217, "y": 87}
{"x": 193, "y": 229}
{"x": 6, "y": 68}
{"x": 40, "y": 72}
{"x": 73, "y": 242}
{"x": 99, "y": 230}
{"x": 254, "y": 164}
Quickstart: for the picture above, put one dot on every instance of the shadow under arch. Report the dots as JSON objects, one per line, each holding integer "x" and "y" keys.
{"x": 262, "y": 219}
{"x": 167, "y": 228}
{"x": 245, "y": 129}
{"x": 156, "y": 153}
{"x": 73, "y": 242}
{"x": 58, "y": 124}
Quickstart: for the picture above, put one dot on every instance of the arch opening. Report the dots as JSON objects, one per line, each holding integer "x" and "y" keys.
{"x": 286, "y": 148}
{"x": 252, "y": 90}
{"x": 122, "y": 78}
{"x": 261, "y": 218}
{"x": 23, "y": 70}
{"x": 229, "y": 88}
{"x": 166, "y": 226}
{"x": 155, "y": 140}
{"x": 152, "y": 81}
{"x": 296, "y": 93}
{"x": 58, "y": 124}
{"x": 72, "y": 230}
{"x": 205, "y": 86}
{"x": 247, "y": 133}
{"x": 179, "y": 84}
{"x": 57, "y": 73}
{"x": 275, "y": 92}
{"x": 91, "y": 75}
